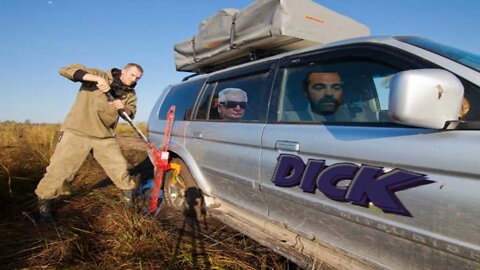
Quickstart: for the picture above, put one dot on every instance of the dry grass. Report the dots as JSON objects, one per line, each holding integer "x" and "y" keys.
{"x": 125, "y": 129}
{"x": 93, "y": 230}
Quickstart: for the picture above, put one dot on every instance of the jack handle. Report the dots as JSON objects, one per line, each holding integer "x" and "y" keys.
{"x": 127, "y": 118}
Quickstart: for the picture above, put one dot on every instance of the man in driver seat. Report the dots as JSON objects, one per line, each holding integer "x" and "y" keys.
{"x": 324, "y": 91}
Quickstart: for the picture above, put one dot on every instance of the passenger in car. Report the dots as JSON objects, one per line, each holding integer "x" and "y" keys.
{"x": 207, "y": 109}
{"x": 214, "y": 108}
{"x": 324, "y": 91}
{"x": 232, "y": 103}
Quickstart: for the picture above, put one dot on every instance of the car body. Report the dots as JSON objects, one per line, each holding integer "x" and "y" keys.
{"x": 394, "y": 188}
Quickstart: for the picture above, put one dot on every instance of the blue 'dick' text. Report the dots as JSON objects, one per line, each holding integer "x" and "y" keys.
{"x": 367, "y": 183}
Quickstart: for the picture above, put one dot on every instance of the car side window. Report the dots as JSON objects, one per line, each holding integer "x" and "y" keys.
{"x": 242, "y": 98}
{"x": 183, "y": 96}
{"x": 336, "y": 91}
{"x": 382, "y": 86}
{"x": 208, "y": 108}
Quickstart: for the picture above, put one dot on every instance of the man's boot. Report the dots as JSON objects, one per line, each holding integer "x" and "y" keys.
{"x": 127, "y": 198}
{"x": 44, "y": 211}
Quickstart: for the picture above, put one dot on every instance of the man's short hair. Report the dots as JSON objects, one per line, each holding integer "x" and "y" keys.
{"x": 222, "y": 95}
{"x": 133, "y": 65}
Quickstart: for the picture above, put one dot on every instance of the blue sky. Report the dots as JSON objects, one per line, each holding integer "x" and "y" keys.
{"x": 40, "y": 36}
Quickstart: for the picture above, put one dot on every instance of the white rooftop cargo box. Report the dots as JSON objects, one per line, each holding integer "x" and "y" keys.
{"x": 268, "y": 26}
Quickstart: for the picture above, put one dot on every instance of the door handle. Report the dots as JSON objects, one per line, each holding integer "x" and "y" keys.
{"x": 287, "y": 146}
{"x": 197, "y": 135}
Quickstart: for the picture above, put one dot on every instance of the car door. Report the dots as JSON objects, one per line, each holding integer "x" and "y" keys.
{"x": 323, "y": 178}
{"x": 226, "y": 151}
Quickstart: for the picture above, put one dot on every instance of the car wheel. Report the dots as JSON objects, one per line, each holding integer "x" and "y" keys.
{"x": 176, "y": 188}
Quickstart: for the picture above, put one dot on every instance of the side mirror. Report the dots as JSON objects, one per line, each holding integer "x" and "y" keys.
{"x": 425, "y": 98}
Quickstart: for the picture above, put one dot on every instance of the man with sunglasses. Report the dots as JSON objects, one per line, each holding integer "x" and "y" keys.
{"x": 232, "y": 104}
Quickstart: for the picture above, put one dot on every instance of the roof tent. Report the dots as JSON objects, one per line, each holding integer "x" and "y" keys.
{"x": 266, "y": 27}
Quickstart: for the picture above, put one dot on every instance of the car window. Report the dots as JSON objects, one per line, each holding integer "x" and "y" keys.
{"x": 183, "y": 96}
{"x": 343, "y": 91}
{"x": 246, "y": 99}
{"x": 472, "y": 98}
{"x": 208, "y": 104}
{"x": 382, "y": 86}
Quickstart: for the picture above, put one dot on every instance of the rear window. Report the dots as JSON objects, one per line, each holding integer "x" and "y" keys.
{"x": 183, "y": 96}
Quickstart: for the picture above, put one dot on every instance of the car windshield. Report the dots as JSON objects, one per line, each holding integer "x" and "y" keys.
{"x": 466, "y": 58}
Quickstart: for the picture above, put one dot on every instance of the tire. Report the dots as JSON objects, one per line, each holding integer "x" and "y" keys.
{"x": 175, "y": 190}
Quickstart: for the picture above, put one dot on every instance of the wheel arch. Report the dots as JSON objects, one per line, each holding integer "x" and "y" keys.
{"x": 178, "y": 151}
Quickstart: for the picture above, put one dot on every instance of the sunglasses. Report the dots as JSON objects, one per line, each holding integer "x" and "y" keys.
{"x": 233, "y": 104}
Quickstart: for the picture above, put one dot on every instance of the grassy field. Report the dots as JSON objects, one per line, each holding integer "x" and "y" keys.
{"x": 92, "y": 229}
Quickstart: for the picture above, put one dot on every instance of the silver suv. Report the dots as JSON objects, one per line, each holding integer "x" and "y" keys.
{"x": 359, "y": 154}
